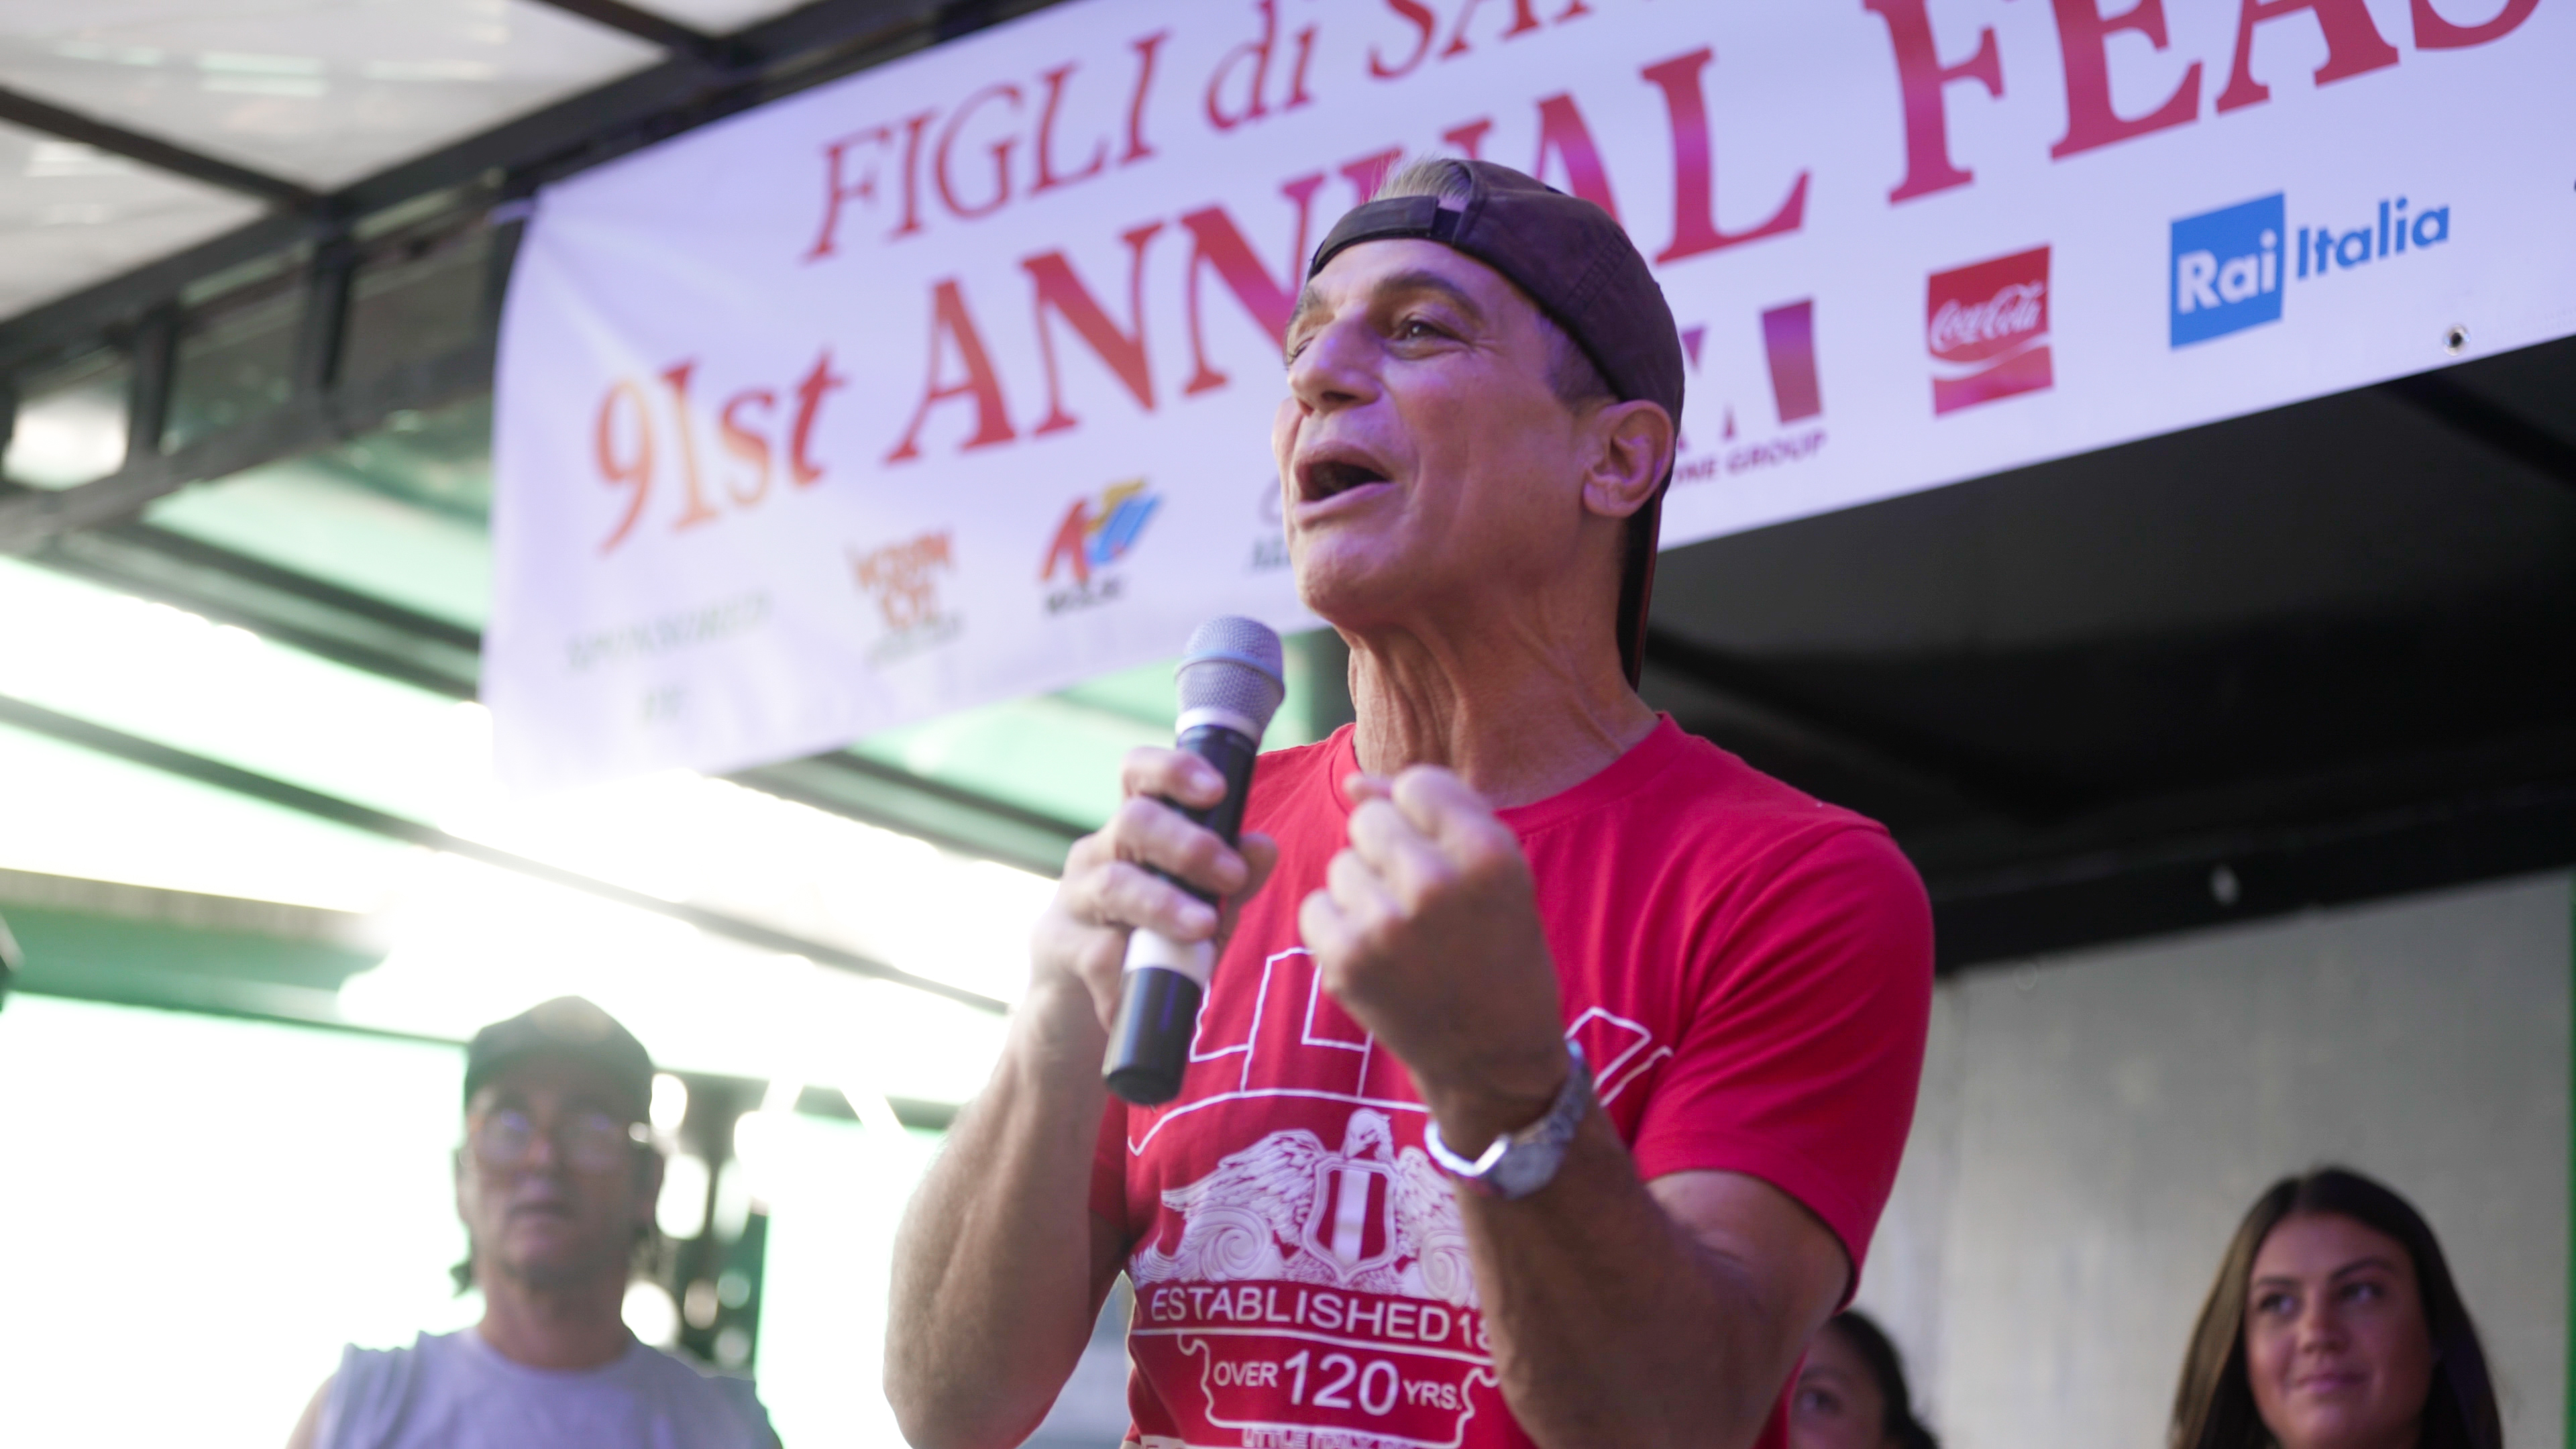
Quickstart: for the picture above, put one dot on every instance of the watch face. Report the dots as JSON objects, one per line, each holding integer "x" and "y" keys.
{"x": 1525, "y": 1169}
{"x": 1539, "y": 1150}
{"x": 1522, "y": 1163}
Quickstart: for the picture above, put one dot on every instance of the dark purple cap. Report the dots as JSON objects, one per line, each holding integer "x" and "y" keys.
{"x": 1579, "y": 267}
{"x": 568, "y": 1029}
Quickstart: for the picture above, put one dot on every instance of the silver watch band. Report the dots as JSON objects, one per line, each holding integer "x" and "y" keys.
{"x": 1517, "y": 1164}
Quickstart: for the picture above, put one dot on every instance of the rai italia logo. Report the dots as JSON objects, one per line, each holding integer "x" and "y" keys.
{"x": 1095, "y": 533}
{"x": 2232, "y": 266}
{"x": 2227, "y": 270}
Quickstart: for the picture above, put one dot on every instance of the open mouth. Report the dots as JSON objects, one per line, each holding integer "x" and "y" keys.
{"x": 1331, "y": 477}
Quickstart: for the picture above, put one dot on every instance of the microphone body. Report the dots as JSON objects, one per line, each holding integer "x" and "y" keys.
{"x": 1230, "y": 685}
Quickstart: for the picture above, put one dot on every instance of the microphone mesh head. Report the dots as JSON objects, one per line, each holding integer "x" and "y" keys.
{"x": 1233, "y": 664}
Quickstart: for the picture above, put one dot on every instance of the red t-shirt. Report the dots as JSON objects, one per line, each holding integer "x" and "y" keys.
{"x": 1749, "y": 972}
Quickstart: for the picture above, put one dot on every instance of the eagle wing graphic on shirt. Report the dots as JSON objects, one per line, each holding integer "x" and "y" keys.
{"x": 1368, "y": 1218}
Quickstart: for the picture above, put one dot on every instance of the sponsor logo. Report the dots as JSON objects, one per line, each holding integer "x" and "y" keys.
{"x": 1789, "y": 355}
{"x": 2230, "y": 265}
{"x": 903, "y": 579}
{"x": 2227, "y": 270}
{"x": 2394, "y": 233}
{"x": 649, "y": 639}
{"x": 1986, "y": 326}
{"x": 1095, "y": 533}
{"x": 1270, "y": 546}
{"x": 1789, "y": 347}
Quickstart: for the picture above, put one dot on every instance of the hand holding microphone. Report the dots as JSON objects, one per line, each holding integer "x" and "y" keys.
{"x": 1230, "y": 685}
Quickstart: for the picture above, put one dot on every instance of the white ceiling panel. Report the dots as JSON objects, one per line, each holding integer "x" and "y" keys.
{"x": 320, "y": 92}
{"x": 718, "y": 17}
{"x": 70, "y": 216}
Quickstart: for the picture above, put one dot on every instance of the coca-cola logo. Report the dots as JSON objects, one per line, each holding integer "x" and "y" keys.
{"x": 1987, "y": 327}
{"x": 2007, "y": 314}
{"x": 1976, "y": 313}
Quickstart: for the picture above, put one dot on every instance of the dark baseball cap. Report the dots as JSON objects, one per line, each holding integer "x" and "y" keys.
{"x": 566, "y": 1029}
{"x": 1579, "y": 267}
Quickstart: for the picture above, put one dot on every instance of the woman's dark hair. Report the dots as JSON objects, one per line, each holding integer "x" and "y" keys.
{"x": 2214, "y": 1407}
{"x": 1897, "y": 1424}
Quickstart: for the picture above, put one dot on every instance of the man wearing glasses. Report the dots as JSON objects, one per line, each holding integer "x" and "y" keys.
{"x": 556, "y": 1185}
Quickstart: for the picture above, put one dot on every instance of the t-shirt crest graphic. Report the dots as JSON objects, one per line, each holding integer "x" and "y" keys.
{"x": 1367, "y": 1218}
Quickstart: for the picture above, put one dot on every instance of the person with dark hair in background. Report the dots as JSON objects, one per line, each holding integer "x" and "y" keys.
{"x": 556, "y": 1183}
{"x": 1851, "y": 1393}
{"x": 2334, "y": 1325}
{"x": 9, "y": 961}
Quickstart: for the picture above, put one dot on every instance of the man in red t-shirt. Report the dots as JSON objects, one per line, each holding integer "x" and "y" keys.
{"x": 1551, "y": 1090}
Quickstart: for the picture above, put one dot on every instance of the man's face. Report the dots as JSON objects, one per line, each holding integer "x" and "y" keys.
{"x": 551, "y": 1184}
{"x": 1422, "y": 454}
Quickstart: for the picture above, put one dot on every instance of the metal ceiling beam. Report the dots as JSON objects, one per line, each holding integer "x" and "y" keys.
{"x": 79, "y": 530}
{"x": 162, "y": 549}
{"x": 865, "y": 768}
{"x": 809, "y": 46}
{"x": 154, "y": 755}
{"x": 188, "y": 910}
{"x": 805, "y": 47}
{"x": 152, "y": 356}
{"x": 95, "y": 316}
{"x": 650, "y": 28}
{"x": 194, "y": 922}
{"x": 954, "y": 819}
{"x": 358, "y": 630}
{"x": 2470, "y": 414}
{"x": 299, "y": 425}
{"x": 444, "y": 658}
{"x": 53, "y": 120}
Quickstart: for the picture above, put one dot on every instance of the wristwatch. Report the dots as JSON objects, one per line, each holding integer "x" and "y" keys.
{"x": 1517, "y": 1164}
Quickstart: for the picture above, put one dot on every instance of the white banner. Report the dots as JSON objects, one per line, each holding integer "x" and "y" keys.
{"x": 952, "y": 381}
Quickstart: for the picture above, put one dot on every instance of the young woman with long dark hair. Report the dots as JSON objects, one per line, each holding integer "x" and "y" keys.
{"x": 1851, "y": 1392}
{"x": 2334, "y": 1324}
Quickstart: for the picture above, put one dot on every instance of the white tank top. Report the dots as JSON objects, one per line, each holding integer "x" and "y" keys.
{"x": 452, "y": 1391}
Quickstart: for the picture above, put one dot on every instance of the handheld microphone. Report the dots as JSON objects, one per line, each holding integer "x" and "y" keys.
{"x": 1230, "y": 685}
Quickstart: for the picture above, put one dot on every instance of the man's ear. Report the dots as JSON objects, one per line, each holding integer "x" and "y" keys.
{"x": 1631, "y": 451}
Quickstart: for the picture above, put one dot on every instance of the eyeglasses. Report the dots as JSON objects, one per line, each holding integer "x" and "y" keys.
{"x": 590, "y": 1141}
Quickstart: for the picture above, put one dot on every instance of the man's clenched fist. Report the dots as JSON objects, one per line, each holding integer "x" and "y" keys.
{"x": 1427, "y": 933}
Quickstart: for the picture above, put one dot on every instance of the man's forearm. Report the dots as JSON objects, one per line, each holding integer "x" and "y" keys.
{"x": 1611, "y": 1323}
{"x": 993, "y": 1266}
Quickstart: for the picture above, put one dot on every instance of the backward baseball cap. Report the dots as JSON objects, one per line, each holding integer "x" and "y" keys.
{"x": 1576, "y": 263}
{"x": 568, "y": 1029}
